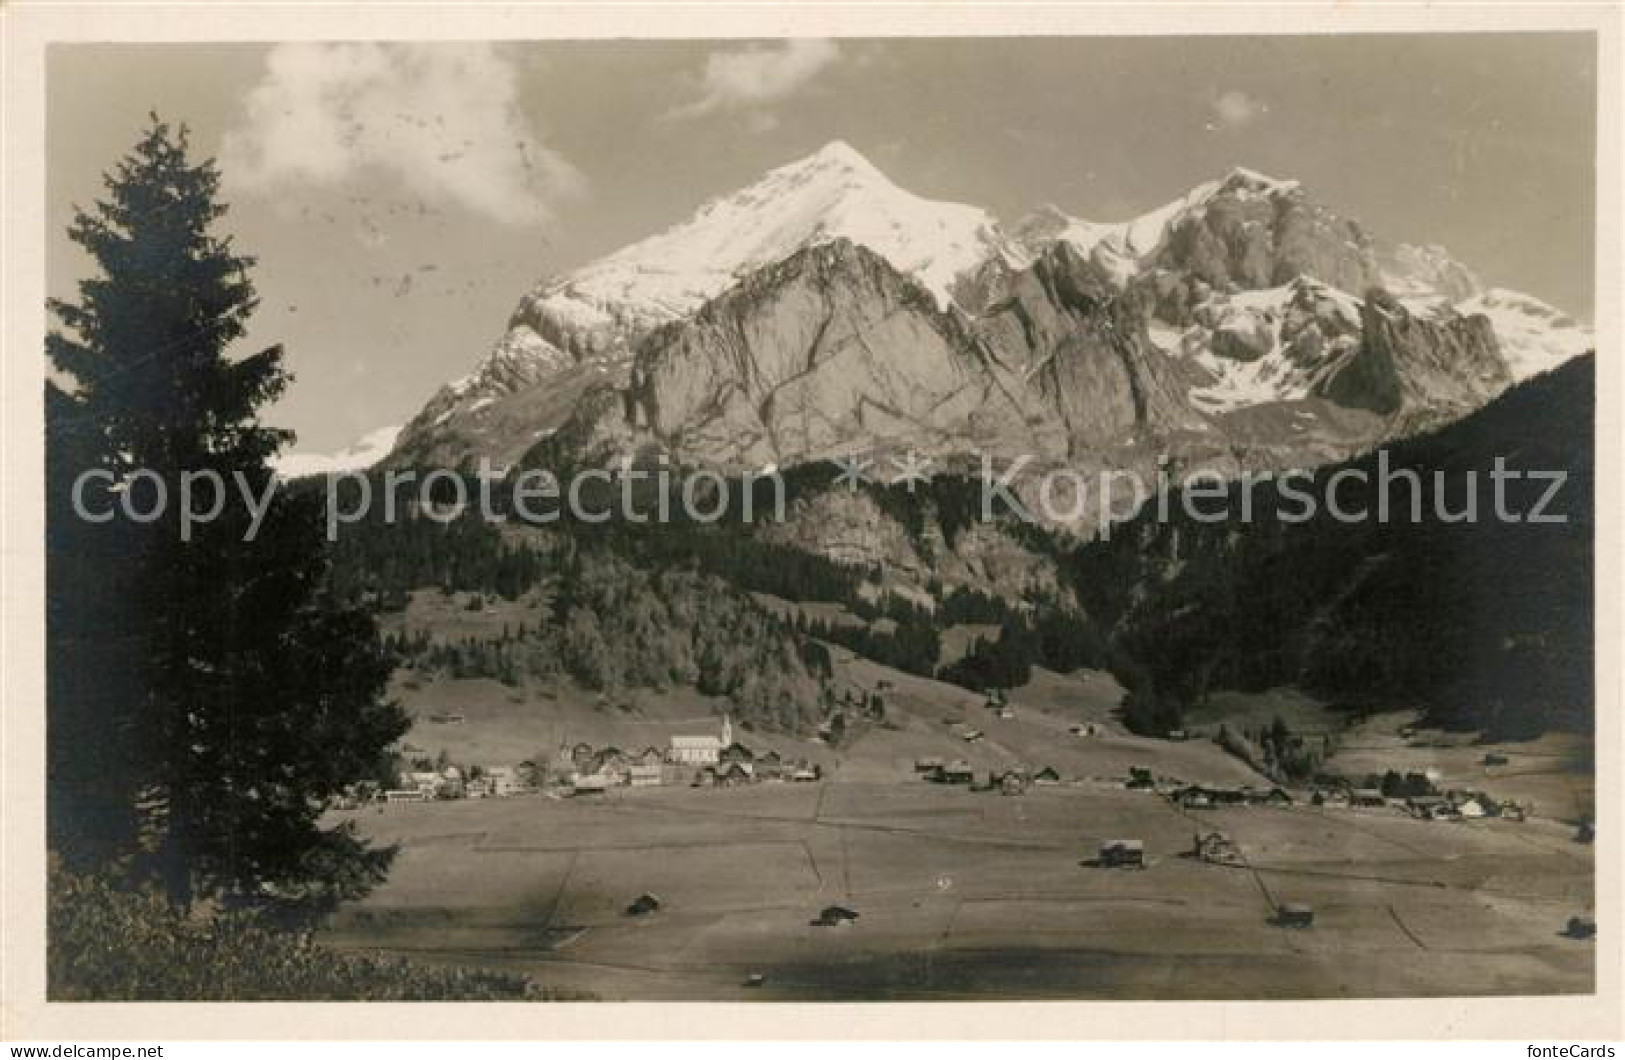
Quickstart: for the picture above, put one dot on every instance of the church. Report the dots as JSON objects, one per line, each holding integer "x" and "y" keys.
{"x": 701, "y": 750}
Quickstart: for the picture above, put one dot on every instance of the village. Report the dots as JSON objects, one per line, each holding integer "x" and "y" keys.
{"x": 580, "y": 769}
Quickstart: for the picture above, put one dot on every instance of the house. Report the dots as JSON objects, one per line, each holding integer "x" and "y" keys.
{"x": 1178, "y": 735}
{"x": 1512, "y": 811}
{"x": 1139, "y": 778}
{"x": 1471, "y": 805}
{"x": 643, "y": 775}
{"x": 425, "y": 781}
{"x": 1013, "y": 782}
{"x": 804, "y": 773}
{"x": 724, "y": 775}
{"x": 476, "y": 789}
{"x": 1272, "y": 797}
{"x": 701, "y": 750}
{"x": 971, "y": 735}
{"x": 580, "y": 756}
{"x": 1335, "y": 799}
{"x": 1122, "y": 853}
{"x": 1493, "y": 759}
{"x": 1047, "y": 775}
{"x": 649, "y": 756}
{"x": 613, "y": 766}
{"x": 1430, "y": 807}
{"x": 1215, "y": 848}
{"x": 1371, "y": 798}
{"x": 770, "y": 766}
{"x": 643, "y": 905}
{"x": 1087, "y": 728}
{"x": 501, "y": 781}
{"x": 955, "y": 772}
{"x": 589, "y": 784}
{"x": 405, "y": 795}
{"x": 1194, "y": 799}
{"x": 737, "y": 752}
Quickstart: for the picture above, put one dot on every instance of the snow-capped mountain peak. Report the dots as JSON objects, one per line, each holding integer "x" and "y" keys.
{"x": 833, "y": 193}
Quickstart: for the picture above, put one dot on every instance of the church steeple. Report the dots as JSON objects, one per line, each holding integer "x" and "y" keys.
{"x": 727, "y": 731}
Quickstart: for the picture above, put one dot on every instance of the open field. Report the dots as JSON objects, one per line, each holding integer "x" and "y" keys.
{"x": 966, "y": 894}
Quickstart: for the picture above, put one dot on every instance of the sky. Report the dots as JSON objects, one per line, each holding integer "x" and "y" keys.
{"x": 401, "y": 198}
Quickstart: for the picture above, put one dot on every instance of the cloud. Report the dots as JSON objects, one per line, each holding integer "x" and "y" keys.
{"x": 441, "y": 119}
{"x": 757, "y": 75}
{"x": 1233, "y": 109}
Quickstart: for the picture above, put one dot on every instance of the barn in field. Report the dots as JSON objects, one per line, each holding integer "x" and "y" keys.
{"x": 1122, "y": 853}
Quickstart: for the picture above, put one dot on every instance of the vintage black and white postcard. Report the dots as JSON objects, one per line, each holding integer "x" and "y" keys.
{"x": 582, "y": 507}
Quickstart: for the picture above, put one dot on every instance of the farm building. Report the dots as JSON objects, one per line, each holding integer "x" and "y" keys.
{"x": 1371, "y": 798}
{"x": 1581, "y": 927}
{"x": 642, "y": 775}
{"x": 1216, "y": 848}
{"x": 834, "y": 916}
{"x": 955, "y": 772}
{"x": 1122, "y": 853}
{"x": 1292, "y": 914}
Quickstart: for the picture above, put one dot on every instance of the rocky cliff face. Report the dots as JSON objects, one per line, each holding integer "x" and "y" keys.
{"x": 833, "y": 351}
{"x": 1408, "y": 366}
{"x": 823, "y": 311}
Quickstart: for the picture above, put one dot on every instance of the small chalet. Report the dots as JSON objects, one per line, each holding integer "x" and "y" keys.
{"x": 1047, "y": 775}
{"x": 644, "y": 775}
{"x": 769, "y": 766}
{"x": 1122, "y": 853}
{"x": 737, "y": 752}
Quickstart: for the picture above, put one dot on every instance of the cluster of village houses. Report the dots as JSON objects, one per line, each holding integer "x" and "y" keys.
{"x": 1449, "y": 805}
{"x": 582, "y": 769}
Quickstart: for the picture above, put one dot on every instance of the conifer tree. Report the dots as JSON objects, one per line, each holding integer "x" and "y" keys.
{"x": 207, "y": 696}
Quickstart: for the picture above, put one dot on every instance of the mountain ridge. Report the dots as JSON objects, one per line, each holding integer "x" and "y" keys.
{"x": 1244, "y": 284}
